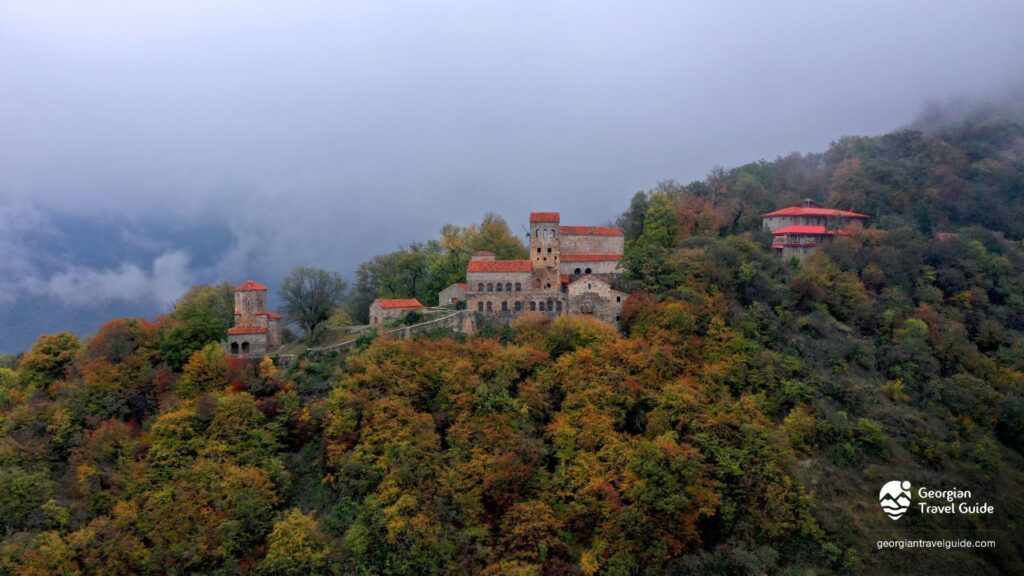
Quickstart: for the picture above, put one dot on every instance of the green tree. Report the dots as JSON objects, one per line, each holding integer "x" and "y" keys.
{"x": 648, "y": 258}
{"x": 631, "y": 222}
{"x": 201, "y": 316}
{"x": 22, "y": 494}
{"x": 296, "y": 547}
{"x": 311, "y": 295}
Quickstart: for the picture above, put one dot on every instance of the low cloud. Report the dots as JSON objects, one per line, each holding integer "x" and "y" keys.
{"x": 30, "y": 267}
{"x": 20, "y": 224}
{"x": 163, "y": 282}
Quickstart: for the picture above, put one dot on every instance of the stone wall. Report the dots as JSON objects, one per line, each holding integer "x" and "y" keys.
{"x": 592, "y": 296}
{"x": 247, "y": 345}
{"x": 482, "y": 282}
{"x": 250, "y": 302}
{"x": 592, "y": 244}
{"x": 578, "y": 267}
{"x": 451, "y": 295}
{"x": 511, "y": 305}
{"x": 273, "y": 332}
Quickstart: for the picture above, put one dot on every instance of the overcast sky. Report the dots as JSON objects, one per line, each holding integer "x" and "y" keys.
{"x": 325, "y": 132}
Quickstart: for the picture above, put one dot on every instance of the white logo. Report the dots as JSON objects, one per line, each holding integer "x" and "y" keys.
{"x": 895, "y": 498}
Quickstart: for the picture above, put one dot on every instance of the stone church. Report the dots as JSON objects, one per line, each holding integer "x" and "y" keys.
{"x": 256, "y": 331}
{"x": 571, "y": 270}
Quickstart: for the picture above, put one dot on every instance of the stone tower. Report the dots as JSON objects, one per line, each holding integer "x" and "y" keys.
{"x": 250, "y": 302}
{"x": 545, "y": 250}
{"x": 256, "y": 331}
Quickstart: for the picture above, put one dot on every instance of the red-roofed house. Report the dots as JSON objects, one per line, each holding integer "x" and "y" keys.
{"x": 799, "y": 230}
{"x": 810, "y": 214}
{"x": 256, "y": 331}
{"x": 384, "y": 309}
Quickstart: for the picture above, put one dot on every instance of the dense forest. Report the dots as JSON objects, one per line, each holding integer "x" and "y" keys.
{"x": 741, "y": 423}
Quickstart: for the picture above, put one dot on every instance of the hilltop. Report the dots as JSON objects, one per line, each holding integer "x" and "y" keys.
{"x": 742, "y": 422}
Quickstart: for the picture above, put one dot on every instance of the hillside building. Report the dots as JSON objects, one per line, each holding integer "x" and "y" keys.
{"x": 384, "y": 309}
{"x": 800, "y": 230}
{"x": 549, "y": 282}
{"x": 453, "y": 294}
{"x": 255, "y": 331}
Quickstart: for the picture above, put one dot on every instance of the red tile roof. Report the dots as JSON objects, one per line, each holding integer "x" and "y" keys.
{"x": 249, "y": 286}
{"x": 808, "y": 231}
{"x": 247, "y": 330}
{"x": 462, "y": 285}
{"x": 565, "y": 278}
{"x": 391, "y": 303}
{"x": 499, "y": 266}
{"x": 590, "y": 257}
{"x": 544, "y": 217}
{"x": 809, "y": 211}
{"x": 273, "y": 316}
{"x": 590, "y": 231}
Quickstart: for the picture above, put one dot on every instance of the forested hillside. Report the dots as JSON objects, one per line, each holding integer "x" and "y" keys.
{"x": 742, "y": 423}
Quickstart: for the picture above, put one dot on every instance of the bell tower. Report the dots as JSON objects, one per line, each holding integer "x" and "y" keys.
{"x": 545, "y": 250}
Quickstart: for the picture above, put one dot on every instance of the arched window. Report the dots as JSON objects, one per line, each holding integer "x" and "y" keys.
{"x": 490, "y": 308}
{"x": 540, "y": 306}
{"x": 479, "y": 306}
{"x": 538, "y": 249}
{"x": 618, "y": 298}
{"x": 537, "y": 282}
{"x": 490, "y": 287}
{"x": 508, "y": 286}
{"x": 519, "y": 306}
{"x": 480, "y": 287}
{"x": 498, "y": 287}
{"x": 245, "y": 347}
{"x": 519, "y": 287}
{"x": 234, "y": 347}
{"x": 533, "y": 305}
{"x": 587, "y": 271}
{"x": 504, "y": 306}
{"x": 558, "y": 306}
{"x": 589, "y": 286}
{"x": 549, "y": 250}
{"x": 577, "y": 271}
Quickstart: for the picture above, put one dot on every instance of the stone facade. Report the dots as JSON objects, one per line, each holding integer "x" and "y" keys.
{"x": 255, "y": 331}
{"x": 384, "y": 309}
{"x": 452, "y": 295}
{"x": 595, "y": 296}
{"x": 499, "y": 290}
